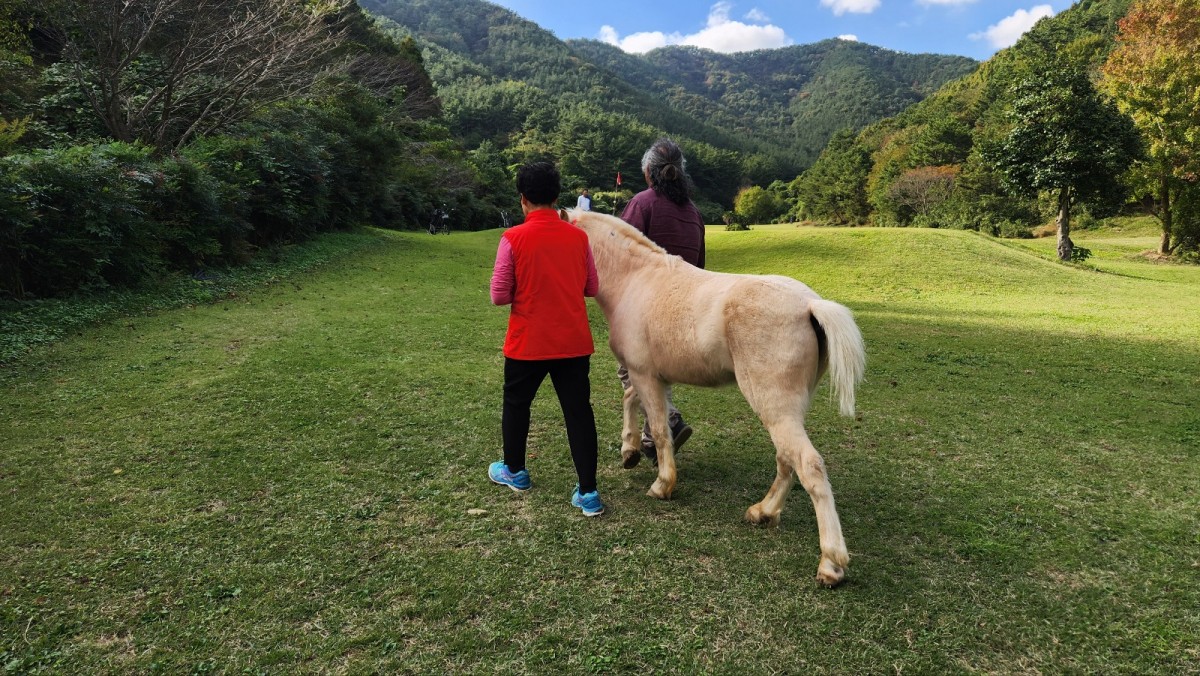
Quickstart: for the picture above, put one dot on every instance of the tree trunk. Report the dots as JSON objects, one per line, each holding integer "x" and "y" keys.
{"x": 1063, "y": 222}
{"x": 1164, "y": 206}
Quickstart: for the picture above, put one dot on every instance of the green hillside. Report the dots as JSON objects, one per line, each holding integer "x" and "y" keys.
{"x": 792, "y": 98}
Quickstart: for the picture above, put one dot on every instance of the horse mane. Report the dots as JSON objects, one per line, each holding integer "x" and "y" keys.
{"x": 639, "y": 243}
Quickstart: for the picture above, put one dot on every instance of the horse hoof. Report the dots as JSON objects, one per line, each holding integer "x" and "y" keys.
{"x": 657, "y": 491}
{"x": 830, "y": 574}
{"x": 756, "y": 516}
{"x": 630, "y": 459}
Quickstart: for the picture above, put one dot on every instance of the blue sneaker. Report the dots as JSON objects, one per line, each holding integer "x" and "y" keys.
{"x": 499, "y": 474}
{"x": 588, "y": 502}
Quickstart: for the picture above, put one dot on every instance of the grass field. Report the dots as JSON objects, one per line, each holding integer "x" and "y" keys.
{"x": 280, "y": 482}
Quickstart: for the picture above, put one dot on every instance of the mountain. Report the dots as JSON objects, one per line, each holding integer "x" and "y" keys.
{"x": 793, "y": 97}
{"x": 514, "y": 91}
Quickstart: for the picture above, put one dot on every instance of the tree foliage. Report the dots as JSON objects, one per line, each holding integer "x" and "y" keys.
{"x": 755, "y": 204}
{"x": 164, "y": 71}
{"x": 81, "y": 209}
{"x": 1065, "y": 138}
{"x": 923, "y": 189}
{"x": 834, "y": 188}
{"x": 1154, "y": 76}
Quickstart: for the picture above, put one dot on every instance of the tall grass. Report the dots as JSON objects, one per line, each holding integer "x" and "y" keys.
{"x": 281, "y": 482}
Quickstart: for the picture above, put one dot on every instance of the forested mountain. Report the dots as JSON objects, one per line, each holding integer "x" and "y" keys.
{"x": 792, "y": 98}
{"x": 514, "y": 90}
{"x": 966, "y": 156}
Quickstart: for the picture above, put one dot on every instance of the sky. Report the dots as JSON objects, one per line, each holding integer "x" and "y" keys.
{"x": 974, "y": 28}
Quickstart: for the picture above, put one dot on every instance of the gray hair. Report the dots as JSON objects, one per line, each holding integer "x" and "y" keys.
{"x": 665, "y": 165}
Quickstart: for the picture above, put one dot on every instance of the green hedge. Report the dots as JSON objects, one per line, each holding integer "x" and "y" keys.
{"x": 88, "y": 217}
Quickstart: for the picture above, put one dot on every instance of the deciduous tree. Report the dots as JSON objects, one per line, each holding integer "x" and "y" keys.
{"x": 165, "y": 71}
{"x": 757, "y": 205}
{"x": 1065, "y": 139}
{"x": 1155, "y": 76}
{"x": 924, "y": 188}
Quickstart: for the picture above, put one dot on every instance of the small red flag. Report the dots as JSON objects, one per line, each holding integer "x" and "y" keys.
{"x": 618, "y": 178}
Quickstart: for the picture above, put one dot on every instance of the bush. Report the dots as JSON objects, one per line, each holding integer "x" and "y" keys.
{"x": 91, "y": 216}
{"x": 1013, "y": 230}
{"x": 76, "y": 220}
{"x": 734, "y": 222}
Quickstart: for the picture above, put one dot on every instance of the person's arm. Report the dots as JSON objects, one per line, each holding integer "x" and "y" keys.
{"x": 504, "y": 277}
{"x": 700, "y": 262}
{"x": 592, "y": 287}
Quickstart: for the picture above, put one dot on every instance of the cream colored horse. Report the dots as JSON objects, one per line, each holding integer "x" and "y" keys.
{"x": 670, "y": 322}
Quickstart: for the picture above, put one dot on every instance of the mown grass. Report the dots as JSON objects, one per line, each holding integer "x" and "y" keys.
{"x": 280, "y": 482}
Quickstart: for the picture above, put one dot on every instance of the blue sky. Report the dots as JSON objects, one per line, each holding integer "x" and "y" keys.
{"x": 975, "y": 28}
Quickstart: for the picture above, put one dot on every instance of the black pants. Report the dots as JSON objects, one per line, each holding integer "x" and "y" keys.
{"x": 574, "y": 389}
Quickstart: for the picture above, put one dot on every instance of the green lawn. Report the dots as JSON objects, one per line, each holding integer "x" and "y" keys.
{"x": 280, "y": 482}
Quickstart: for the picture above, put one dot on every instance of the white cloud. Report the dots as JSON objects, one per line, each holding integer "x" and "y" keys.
{"x": 639, "y": 43}
{"x": 944, "y": 2}
{"x": 840, "y": 7}
{"x": 1009, "y": 29}
{"x": 848, "y": 37}
{"x": 721, "y": 34}
{"x": 757, "y": 16}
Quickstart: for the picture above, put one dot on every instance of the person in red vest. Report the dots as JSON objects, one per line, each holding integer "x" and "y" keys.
{"x": 544, "y": 269}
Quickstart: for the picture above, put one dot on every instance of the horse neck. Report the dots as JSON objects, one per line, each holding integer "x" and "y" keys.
{"x": 618, "y": 260}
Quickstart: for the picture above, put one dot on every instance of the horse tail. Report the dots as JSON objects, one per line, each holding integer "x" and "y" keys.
{"x": 842, "y": 343}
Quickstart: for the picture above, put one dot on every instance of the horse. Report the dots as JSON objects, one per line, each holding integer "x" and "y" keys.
{"x": 671, "y": 322}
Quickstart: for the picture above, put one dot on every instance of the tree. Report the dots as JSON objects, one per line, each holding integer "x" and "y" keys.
{"x": 1154, "y": 75}
{"x": 1065, "y": 139}
{"x": 924, "y": 188}
{"x": 757, "y": 205}
{"x": 165, "y": 71}
{"x": 835, "y": 187}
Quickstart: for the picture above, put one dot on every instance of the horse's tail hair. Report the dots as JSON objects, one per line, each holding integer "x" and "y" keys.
{"x": 844, "y": 347}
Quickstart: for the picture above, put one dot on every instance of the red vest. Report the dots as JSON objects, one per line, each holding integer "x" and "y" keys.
{"x": 549, "y": 317}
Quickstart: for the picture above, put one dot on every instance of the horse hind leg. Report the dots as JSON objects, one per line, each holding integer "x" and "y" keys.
{"x": 796, "y": 453}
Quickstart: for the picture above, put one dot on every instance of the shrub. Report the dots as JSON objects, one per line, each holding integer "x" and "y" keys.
{"x": 77, "y": 219}
{"x": 1013, "y": 230}
{"x": 734, "y": 222}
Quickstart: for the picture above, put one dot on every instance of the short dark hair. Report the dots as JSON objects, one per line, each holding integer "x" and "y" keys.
{"x": 539, "y": 182}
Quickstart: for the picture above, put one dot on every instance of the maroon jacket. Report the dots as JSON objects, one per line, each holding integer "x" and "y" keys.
{"x": 678, "y": 229}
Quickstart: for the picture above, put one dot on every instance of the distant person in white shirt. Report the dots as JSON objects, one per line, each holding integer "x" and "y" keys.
{"x": 584, "y": 203}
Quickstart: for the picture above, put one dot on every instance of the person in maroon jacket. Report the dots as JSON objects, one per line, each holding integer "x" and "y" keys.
{"x": 544, "y": 269}
{"x": 664, "y": 212}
